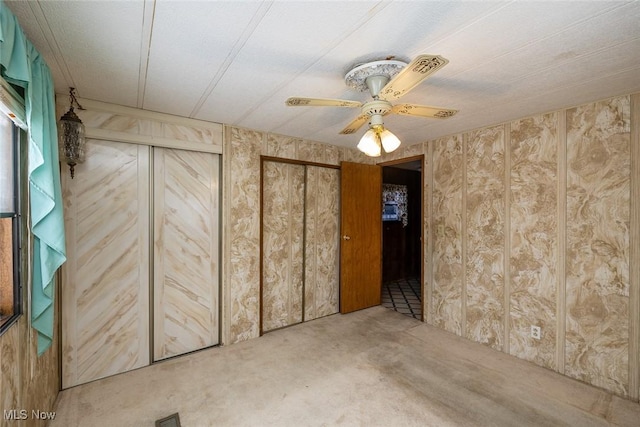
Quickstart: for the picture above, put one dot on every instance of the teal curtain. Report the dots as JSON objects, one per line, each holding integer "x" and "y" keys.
{"x": 21, "y": 64}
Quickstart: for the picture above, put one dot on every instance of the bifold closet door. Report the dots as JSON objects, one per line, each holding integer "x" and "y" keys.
{"x": 282, "y": 244}
{"x": 105, "y": 286}
{"x": 300, "y": 243}
{"x": 322, "y": 242}
{"x": 186, "y": 200}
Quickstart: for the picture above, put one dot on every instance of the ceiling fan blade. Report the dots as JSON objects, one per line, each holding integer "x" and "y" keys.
{"x": 321, "y": 102}
{"x": 355, "y": 124}
{"x": 411, "y": 75}
{"x": 423, "y": 111}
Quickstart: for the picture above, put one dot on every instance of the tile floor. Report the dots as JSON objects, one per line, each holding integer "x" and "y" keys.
{"x": 403, "y": 296}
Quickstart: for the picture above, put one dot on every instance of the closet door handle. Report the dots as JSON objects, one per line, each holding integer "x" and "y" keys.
{"x": 345, "y": 237}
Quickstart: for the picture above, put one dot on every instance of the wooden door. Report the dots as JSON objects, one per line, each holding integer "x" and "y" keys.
{"x": 186, "y": 251}
{"x": 361, "y": 231}
{"x": 105, "y": 281}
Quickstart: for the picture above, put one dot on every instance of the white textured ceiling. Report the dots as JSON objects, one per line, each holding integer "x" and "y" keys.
{"x": 236, "y": 62}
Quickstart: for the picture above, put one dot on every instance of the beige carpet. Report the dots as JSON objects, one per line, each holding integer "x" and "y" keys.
{"x": 374, "y": 367}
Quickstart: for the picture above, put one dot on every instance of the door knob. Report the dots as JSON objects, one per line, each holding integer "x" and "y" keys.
{"x": 345, "y": 237}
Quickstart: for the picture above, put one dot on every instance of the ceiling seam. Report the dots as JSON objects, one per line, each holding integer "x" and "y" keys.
{"x": 555, "y": 66}
{"x": 52, "y": 42}
{"x": 581, "y": 56}
{"x": 548, "y": 36}
{"x": 145, "y": 49}
{"x": 471, "y": 23}
{"x": 370, "y": 14}
{"x": 242, "y": 40}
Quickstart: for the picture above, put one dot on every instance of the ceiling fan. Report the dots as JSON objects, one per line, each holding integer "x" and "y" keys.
{"x": 386, "y": 80}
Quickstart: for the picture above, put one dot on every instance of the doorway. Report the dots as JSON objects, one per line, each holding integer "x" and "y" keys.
{"x": 402, "y": 225}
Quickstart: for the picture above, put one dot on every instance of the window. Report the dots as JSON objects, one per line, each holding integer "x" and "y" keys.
{"x": 10, "y": 291}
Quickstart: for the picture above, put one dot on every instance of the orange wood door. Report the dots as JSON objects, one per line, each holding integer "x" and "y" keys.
{"x": 361, "y": 231}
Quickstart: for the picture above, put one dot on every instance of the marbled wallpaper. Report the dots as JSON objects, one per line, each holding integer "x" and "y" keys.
{"x": 300, "y": 149}
{"x": 242, "y": 262}
{"x": 402, "y": 152}
{"x": 281, "y": 146}
{"x": 282, "y": 244}
{"x": 447, "y": 237}
{"x": 598, "y": 195}
{"x": 485, "y": 212}
{"x": 510, "y": 213}
{"x": 533, "y": 247}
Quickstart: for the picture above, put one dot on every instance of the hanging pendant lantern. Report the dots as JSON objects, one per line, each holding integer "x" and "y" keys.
{"x": 71, "y": 135}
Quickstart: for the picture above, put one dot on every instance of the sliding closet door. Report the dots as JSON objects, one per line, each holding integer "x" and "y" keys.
{"x": 282, "y": 244}
{"x": 186, "y": 251}
{"x": 105, "y": 288}
{"x": 322, "y": 242}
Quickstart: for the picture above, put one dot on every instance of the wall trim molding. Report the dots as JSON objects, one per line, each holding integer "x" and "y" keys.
{"x": 428, "y": 223}
{"x": 463, "y": 239}
{"x": 90, "y": 104}
{"x": 507, "y": 239}
{"x": 110, "y": 135}
{"x": 634, "y": 252}
{"x": 561, "y": 276}
{"x": 225, "y": 268}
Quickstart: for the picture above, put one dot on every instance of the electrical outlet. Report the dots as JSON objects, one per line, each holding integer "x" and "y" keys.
{"x": 535, "y": 332}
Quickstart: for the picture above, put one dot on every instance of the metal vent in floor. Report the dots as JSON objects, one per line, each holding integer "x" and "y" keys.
{"x": 172, "y": 420}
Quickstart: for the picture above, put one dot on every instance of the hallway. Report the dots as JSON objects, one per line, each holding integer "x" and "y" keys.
{"x": 373, "y": 367}
{"x": 403, "y": 296}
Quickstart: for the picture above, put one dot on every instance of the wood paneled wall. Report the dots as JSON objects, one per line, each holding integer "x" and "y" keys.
{"x": 536, "y": 222}
{"x": 27, "y": 381}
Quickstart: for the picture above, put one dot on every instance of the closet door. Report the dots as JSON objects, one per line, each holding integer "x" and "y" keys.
{"x": 300, "y": 243}
{"x": 105, "y": 287}
{"x": 322, "y": 242}
{"x": 282, "y": 244}
{"x": 185, "y": 251}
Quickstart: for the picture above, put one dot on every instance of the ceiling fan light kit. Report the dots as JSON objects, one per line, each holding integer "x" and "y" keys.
{"x": 389, "y": 141}
{"x": 385, "y": 80}
{"x": 370, "y": 144}
{"x": 377, "y": 138}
